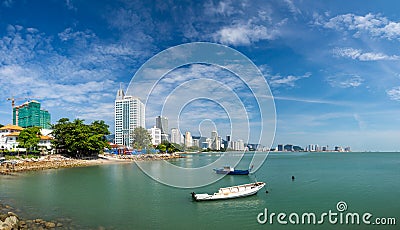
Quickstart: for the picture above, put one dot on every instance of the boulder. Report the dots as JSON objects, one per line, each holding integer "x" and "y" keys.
{"x": 39, "y": 221}
{"x": 10, "y": 222}
{"x": 12, "y": 214}
{"x": 50, "y": 225}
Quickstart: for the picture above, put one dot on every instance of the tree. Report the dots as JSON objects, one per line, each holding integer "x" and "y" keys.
{"x": 162, "y": 147}
{"x": 78, "y": 139}
{"x": 166, "y": 146}
{"x": 1, "y": 125}
{"x": 141, "y": 138}
{"x": 29, "y": 138}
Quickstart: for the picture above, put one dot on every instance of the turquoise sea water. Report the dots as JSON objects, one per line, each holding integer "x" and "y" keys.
{"x": 123, "y": 197}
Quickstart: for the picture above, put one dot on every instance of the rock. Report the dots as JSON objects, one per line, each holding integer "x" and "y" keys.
{"x": 4, "y": 226}
{"x": 59, "y": 225}
{"x": 39, "y": 221}
{"x": 3, "y": 217}
{"x": 13, "y": 214}
{"x": 50, "y": 225}
{"x": 10, "y": 223}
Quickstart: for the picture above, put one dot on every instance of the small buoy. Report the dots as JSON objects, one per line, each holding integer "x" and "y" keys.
{"x": 266, "y": 191}
{"x": 292, "y": 177}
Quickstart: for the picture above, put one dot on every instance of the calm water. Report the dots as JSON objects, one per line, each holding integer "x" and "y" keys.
{"x": 122, "y": 197}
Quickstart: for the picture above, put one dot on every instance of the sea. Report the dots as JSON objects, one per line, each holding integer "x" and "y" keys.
{"x": 351, "y": 190}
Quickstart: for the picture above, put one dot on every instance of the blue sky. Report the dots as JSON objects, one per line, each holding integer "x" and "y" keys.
{"x": 332, "y": 66}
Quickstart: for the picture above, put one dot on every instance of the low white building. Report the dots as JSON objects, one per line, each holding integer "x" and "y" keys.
{"x": 155, "y": 134}
{"x": 9, "y": 136}
{"x": 9, "y": 139}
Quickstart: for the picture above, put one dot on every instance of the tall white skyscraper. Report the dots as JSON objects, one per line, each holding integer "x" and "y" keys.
{"x": 188, "y": 139}
{"x": 175, "y": 136}
{"x": 129, "y": 114}
{"x": 215, "y": 141}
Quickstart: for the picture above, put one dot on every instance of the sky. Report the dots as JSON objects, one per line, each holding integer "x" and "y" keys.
{"x": 331, "y": 66}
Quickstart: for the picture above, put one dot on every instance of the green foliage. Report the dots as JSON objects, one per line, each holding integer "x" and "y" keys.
{"x": 78, "y": 139}
{"x": 193, "y": 148}
{"x": 29, "y": 156}
{"x": 162, "y": 148}
{"x": 10, "y": 157}
{"x": 165, "y": 146}
{"x": 1, "y": 125}
{"x": 29, "y": 138}
{"x": 141, "y": 138}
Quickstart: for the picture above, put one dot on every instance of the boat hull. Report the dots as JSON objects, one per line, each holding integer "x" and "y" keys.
{"x": 235, "y": 172}
{"x": 230, "y": 192}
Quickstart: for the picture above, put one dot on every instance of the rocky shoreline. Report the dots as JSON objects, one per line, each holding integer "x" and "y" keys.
{"x": 58, "y": 161}
{"x": 9, "y": 221}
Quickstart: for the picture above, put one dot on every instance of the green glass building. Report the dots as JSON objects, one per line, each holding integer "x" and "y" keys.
{"x": 29, "y": 114}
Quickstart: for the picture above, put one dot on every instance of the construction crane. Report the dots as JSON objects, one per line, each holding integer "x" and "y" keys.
{"x": 12, "y": 99}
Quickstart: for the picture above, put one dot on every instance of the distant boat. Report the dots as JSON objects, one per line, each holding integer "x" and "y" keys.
{"x": 231, "y": 171}
{"x": 231, "y": 192}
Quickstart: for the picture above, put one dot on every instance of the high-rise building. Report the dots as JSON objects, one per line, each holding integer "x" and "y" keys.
{"x": 175, "y": 136}
{"x": 29, "y": 114}
{"x": 188, "y": 139}
{"x": 162, "y": 124}
{"x": 129, "y": 114}
{"x": 196, "y": 142}
{"x": 215, "y": 141}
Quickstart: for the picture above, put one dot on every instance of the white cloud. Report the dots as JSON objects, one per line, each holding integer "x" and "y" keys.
{"x": 244, "y": 34}
{"x": 394, "y": 93}
{"x": 370, "y": 24}
{"x": 20, "y": 45}
{"x": 70, "y": 34}
{"x": 290, "y": 80}
{"x": 80, "y": 80}
{"x": 292, "y": 7}
{"x": 223, "y": 8}
{"x": 248, "y": 29}
{"x": 363, "y": 56}
{"x": 308, "y": 100}
{"x": 345, "y": 80}
{"x": 69, "y": 5}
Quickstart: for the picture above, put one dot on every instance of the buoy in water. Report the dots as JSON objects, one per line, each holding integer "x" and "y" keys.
{"x": 292, "y": 177}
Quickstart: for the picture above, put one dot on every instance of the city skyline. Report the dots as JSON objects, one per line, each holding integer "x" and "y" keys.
{"x": 332, "y": 66}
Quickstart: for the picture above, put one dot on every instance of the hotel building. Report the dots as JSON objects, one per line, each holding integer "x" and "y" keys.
{"x": 129, "y": 114}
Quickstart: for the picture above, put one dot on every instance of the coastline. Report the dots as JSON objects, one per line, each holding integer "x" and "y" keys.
{"x": 57, "y": 161}
{"x": 8, "y": 217}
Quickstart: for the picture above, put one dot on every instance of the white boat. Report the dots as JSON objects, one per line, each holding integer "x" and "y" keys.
{"x": 230, "y": 192}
